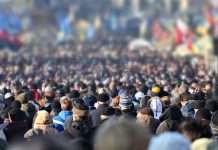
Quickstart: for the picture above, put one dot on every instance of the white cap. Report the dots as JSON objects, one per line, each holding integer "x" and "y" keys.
{"x": 7, "y": 95}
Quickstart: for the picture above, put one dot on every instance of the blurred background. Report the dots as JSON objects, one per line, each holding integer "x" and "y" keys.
{"x": 181, "y": 27}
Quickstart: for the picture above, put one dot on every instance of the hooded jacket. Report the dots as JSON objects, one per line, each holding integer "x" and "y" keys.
{"x": 59, "y": 120}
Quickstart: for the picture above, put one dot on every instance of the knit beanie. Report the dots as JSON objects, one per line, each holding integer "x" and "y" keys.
{"x": 125, "y": 102}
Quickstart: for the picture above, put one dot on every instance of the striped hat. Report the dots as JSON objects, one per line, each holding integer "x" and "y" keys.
{"x": 125, "y": 102}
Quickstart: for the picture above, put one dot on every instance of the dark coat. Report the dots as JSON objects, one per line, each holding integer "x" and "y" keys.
{"x": 95, "y": 115}
{"x": 75, "y": 129}
{"x": 16, "y": 130}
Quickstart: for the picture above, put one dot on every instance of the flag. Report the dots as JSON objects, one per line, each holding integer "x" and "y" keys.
{"x": 8, "y": 41}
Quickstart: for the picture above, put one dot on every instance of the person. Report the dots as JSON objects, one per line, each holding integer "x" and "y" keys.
{"x": 42, "y": 121}
{"x": 17, "y": 125}
{"x": 127, "y": 107}
{"x": 203, "y": 114}
{"x": 48, "y": 97}
{"x": 170, "y": 120}
{"x": 155, "y": 103}
{"x": 145, "y": 116}
{"x": 95, "y": 115}
{"x": 55, "y": 108}
{"x": 58, "y": 121}
{"x": 195, "y": 129}
{"x": 169, "y": 141}
{"x": 211, "y": 105}
{"x": 27, "y": 107}
{"x": 115, "y": 135}
{"x": 78, "y": 125}
{"x": 107, "y": 113}
{"x": 187, "y": 108}
{"x": 214, "y": 125}
{"x": 34, "y": 90}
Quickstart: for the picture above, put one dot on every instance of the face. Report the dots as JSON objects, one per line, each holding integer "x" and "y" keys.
{"x": 207, "y": 87}
{"x": 76, "y": 117}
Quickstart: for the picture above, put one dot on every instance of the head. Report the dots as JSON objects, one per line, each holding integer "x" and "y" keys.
{"x": 203, "y": 114}
{"x": 80, "y": 112}
{"x": 66, "y": 104}
{"x": 41, "y": 119}
{"x": 114, "y": 135}
{"x": 74, "y": 94}
{"x": 194, "y": 129}
{"x": 103, "y": 98}
{"x": 155, "y": 91}
{"x": 169, "y": 141}
{"x": 16, "y": 114}
{"x": 125, "y": 102}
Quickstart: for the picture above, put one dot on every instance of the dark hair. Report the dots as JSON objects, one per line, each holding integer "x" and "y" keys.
{"x": 203, "y": 114}
{"x": 17, "y": 115}
{"x": 66, "y": 104}
{"x": 195, "y": 129}
{"x": 16, "y": 104}
{"x": 74, "y": 94}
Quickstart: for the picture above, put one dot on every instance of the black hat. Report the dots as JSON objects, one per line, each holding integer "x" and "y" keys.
{"x": 211, "y": 105}
{"x": 103, "y": 97}
{"x": 108, "y": 111}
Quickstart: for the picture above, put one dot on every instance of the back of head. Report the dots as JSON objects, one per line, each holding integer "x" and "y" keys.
{"x": 203, "y": 114}
{"x": 211, "y": 105}
{"x": 23, "y": 98}
{"x": 74, "y": 94}
{"x": 66, "y": 104}
{"x": 195, "y": 129}
{"x": 115, "y": 135}
{"x": 16, "y": 114}
{"x": 169, "y": 141}
{"x": 42, "y": 118}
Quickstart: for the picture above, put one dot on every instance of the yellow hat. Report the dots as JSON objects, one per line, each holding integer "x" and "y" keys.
{"x": 155, "y": 90}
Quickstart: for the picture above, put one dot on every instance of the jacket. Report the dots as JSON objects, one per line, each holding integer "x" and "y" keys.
{"x": 15, "y": 130}
{"x": 59, "y": 120}
{"x": 94, "y": 115}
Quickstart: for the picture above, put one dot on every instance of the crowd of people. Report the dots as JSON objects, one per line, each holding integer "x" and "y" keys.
{"x": 106, "y": 97}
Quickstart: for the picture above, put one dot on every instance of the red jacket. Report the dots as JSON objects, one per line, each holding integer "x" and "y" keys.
{"x": 36, "y": 93}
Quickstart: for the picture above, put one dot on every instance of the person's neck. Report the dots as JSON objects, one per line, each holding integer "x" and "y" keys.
{"x": 184, "y": 103}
